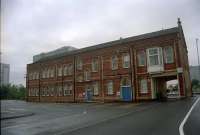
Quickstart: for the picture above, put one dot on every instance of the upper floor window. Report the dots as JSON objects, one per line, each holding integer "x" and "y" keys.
{"x": 87, "y": 75}
{"x": 70, "y": 69}
{"x": 126, "y": 60}
{"x": 59, "y": 71}
{"x": 95, "y": 88}
{"x": 169, "y": 54}
{"x": 155, "y": 56}
{"x": 79, "y": 64}
{"x": 65, "y": 68}
{"x": 52, "y": 72}
{"x": 79, "y": 78}
{"x": 143, "y": 86}
{"x": 94, "y": 64}
{"x": 110, "y": 88}
{"x": 141, "y": 58}
{"x": 114, "y": 62}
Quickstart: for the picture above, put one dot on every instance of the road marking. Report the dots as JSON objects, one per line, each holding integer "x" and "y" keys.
{"x": 186, "y": 117}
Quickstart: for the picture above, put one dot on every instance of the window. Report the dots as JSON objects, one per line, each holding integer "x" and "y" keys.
{"x": 169, "y": 56}
{"x": 155, "y": 57}
{"x": 70, "y": 69}
{"x": 45, "y": 73}
{"x": 36, "y": 92}
{"x": 60, "y": 91}
{"x": 95, "y": 88}
{"x": 141, "y": 58}
{"x": 79, "y": 78}
{"x": 114, "y": 62}
{"x": 52, "y": 91}
{"x": 67, "y": 89}
{"x": 59, "y": 71}
{"x": 52, "y": 72}
{"x": 79, "y": 64}
{"x": 87, "y": 75}
{"x": 43, "y": 91}
{"x": 94, "y": 64}
{"x": 29, "y": 92}
{"x": 125, "y": 81}
{"x": 126, "y": 60}
{"x": 65, "y": 70}
{"x": 110, "y": 88}
{"x": 48, "y": 73}
{"x": 143, "y": 86}
{"x": 30, "y": 76}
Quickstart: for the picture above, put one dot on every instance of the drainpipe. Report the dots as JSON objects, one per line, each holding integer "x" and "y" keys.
{"x": 132, "y": 73}
{"x": 74, "y": 78}
{"x": 102, "y": 79}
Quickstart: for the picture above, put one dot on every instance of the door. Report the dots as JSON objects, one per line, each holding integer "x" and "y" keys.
{"x": 88, "y": 95}
{"x": 126, "y": 93}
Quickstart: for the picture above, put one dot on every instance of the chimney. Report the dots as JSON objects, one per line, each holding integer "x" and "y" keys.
{"x": 179, "y": 22}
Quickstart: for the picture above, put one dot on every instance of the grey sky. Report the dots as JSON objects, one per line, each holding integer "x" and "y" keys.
{"x": 29, "y": 27}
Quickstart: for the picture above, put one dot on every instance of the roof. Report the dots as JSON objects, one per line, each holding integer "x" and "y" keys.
{"x": 113, "y": 43}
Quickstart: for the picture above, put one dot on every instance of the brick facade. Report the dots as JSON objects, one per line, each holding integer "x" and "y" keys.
{"x": 108, "y": 68}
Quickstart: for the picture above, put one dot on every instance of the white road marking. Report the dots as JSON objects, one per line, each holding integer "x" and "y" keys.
{"x": 186, "y": 117}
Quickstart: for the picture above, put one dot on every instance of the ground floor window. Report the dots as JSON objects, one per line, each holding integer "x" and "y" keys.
{"x": 95, "y": 88}
{"x": 110, "y": 88}
{"x": 67, "y": 89}
{"x": 143, "y": 86}
{"x": 59, "y": 88}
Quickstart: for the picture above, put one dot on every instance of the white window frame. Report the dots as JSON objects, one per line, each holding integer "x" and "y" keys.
{"x": 126, "y": 60}
{"x": 114, "y": 60}
{"x": 67, "y": 89}
{"x": 79, "y": 78}
{"x": 166, "y": 55}
{"x": 110, "y": 88}
{"x": 158, "y": 49}
{"x": 143, "y": 86}
{"x": 60, "y": 92}
{"x": 65, "y": 70}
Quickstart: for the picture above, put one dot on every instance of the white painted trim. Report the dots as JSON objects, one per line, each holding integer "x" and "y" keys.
{"x": 186, "y": 117}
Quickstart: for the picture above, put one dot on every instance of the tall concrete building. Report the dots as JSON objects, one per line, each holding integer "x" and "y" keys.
{"x": 5, "y": 73}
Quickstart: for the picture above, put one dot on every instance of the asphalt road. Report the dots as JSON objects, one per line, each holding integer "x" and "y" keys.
{"x": 96, "y": 119}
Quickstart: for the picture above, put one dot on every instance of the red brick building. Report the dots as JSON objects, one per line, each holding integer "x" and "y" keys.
{"x": 130, "y": 69}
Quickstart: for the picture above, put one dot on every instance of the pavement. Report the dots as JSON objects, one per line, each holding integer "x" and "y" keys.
{"x": 153, "y": 118}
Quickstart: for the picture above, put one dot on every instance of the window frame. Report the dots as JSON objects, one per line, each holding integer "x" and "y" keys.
{"x": 110, "y": 85}
{"x": 158, "y": 54}
{"x": 124, "y": 61}
{"x": 114, "y": 58}
{"x": 95, "y": 88}
{"x": 172, "y": 55}
{"x": 95, "y": 63}
{"x": 142, "y": 86}
{"x": 140, "y": 54}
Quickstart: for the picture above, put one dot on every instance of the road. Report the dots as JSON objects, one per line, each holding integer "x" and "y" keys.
{"x": 152, "y": 118}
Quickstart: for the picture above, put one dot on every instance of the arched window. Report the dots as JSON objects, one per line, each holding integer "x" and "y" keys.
{"x": 125, "y": 81}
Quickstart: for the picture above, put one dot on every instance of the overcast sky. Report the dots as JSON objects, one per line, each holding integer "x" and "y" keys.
{"x": 29, "y": 27}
